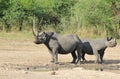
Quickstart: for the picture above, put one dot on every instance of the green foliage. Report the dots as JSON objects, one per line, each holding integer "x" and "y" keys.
{"x": 75, "y": 15}
{"x": 99, "y": 14}
{"x": 63, "y": 7}
{"x": 3, "y": 5}
{"x": 93, "y": 11}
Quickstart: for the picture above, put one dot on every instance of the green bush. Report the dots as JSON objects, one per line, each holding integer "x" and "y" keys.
{"x": 65, "y": 16}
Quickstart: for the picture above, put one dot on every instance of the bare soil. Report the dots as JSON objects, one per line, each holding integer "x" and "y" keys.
{"x": 22, "y": 59}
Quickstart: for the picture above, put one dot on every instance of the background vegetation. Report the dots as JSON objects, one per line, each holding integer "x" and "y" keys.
{"x": 88, "y": 18}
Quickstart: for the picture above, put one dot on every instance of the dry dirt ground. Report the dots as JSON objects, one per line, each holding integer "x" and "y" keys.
{"x": 24, "y": 60}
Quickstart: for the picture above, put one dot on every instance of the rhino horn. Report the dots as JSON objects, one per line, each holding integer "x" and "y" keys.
{"x": 35, "y": 34}
{"x": 33, "y": 28}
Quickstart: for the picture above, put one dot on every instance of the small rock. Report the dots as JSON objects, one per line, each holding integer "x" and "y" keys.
{"x": 53, "y": 73}
{"x": 101, "y": 69}
{"x": 28, "y": 68}
{"x": 26, "y": 72}
{"x": 97, "y": 69}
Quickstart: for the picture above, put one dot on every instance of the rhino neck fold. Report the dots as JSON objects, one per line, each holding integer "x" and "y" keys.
{"x": 47, "y": 43}
{"x": 49, "y": 37}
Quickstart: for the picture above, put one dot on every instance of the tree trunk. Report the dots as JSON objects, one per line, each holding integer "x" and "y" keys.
{"x": 105, "y": 31}
{"x": 20, "y": 24}
{"x": 114, "y": 8}
{"x": 119, "y": 29}
{"x": 7, "y": 28}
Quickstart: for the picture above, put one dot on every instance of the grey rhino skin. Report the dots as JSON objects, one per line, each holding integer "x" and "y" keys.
{"x": 97, "y": 47}
{"x": 62, "y": 44}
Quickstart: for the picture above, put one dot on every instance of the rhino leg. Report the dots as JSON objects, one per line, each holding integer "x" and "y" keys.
{"x": 79, "y": 53}
{"x": 101, "y": 56}
{"x": 55, "y": 56}
{"x": 74, "y": 57}
{"x": 51, "y": 56}
{"x": 83, "y": 57}
{"x": 97, "y": 55}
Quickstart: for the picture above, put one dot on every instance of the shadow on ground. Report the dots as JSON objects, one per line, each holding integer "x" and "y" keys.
{"x": 109, "y": 65}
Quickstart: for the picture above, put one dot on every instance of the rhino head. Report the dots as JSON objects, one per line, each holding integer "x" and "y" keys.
{"x": 43, "y": 37}
{"x": 110, "y": 42}
{"x": 40, "y": 38}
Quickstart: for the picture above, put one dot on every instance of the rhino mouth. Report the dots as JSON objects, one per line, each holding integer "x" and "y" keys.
{"x": 37, "y": 42}
{"x": 113, "y": 45}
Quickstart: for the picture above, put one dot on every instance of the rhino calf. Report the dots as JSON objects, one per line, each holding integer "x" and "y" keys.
{"x": 97, "y": 47}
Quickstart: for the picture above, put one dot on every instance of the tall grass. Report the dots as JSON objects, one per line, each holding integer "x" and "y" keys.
{"x": 24, "y": 35}
{"x": 83, "y": 32}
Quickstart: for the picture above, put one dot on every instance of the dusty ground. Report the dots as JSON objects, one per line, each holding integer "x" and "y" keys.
{"x": 25, "y": 60}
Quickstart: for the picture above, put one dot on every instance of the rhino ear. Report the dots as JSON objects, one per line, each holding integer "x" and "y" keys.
{"x": 109, "y": 38}
{"x": 44, "y": 32}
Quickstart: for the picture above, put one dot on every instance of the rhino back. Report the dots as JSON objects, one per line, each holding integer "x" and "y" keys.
{"x": 99, "y": 44}
{"x": 93, "y": 44}
{"x": 68, "y": 43}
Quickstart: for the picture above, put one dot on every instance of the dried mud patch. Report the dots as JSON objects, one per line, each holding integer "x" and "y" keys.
{"x": 114, "y": 68}
{"x": 25, "y": 60}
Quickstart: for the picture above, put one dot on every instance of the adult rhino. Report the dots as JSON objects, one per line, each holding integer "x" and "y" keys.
{"x": 60, "y": 44}
{"x": 97, "y": 47}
